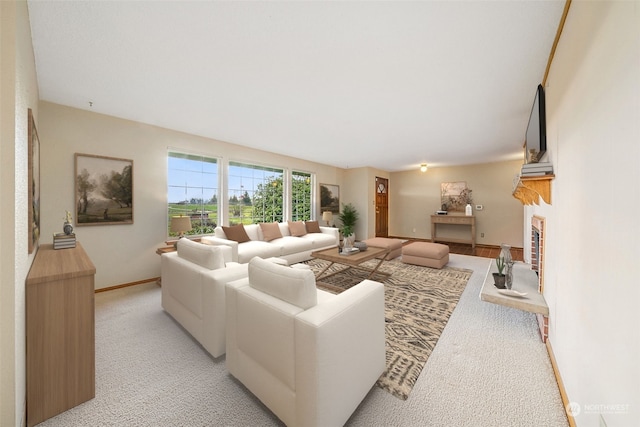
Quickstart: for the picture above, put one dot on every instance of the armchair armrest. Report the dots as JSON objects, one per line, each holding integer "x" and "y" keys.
{"x": 340, "y": 352}
{"x": 332, "y": 231}
{"x": 213, "y": 240}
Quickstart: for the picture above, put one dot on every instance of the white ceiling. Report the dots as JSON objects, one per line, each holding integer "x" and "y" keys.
{"x": 388, "y": 85}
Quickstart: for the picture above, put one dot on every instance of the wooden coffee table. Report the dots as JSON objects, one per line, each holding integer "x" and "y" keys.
{"x": 351, "y": 261}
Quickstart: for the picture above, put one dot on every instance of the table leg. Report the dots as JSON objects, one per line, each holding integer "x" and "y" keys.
{"x": 376, "y": 269}
{"x": 322, "y": 272}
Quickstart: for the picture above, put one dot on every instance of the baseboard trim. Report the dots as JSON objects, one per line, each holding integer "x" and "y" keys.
{"x": 563, "y": 392}
{"x": 125, "y": 285}
{"x": 478, "y": 245}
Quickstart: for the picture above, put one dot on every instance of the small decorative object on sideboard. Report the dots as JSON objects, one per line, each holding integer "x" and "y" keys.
{"x": 67, "y": 227}
{"x": 64, "y": 241}
{"x": 499, "y": 277}
{"x": 508, "y": 283}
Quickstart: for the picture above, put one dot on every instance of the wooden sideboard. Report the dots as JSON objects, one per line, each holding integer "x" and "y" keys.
{"x": 60, "y": 329}
{"x": 469, "y": 221}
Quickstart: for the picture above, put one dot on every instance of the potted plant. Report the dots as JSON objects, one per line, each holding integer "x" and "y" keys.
{"x": 499, "y": 277}
{"x": 348, "y": 218}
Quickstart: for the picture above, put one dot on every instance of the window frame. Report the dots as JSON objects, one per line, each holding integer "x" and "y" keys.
{"x": 215, "y": 187}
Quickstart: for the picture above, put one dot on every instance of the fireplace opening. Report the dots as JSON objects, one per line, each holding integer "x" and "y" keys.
{"x": 537, "y": 249}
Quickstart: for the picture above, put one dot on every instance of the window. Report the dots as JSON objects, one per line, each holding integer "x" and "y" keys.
{"x": 256, "y": 194}
{"x": 300, "y": 196}
{"x": 193, "y": 191}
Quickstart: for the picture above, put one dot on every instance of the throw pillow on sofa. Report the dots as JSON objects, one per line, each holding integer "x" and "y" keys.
{"x": 270, "y": 231}
{"x": 297, "y": 228}
{"x": 236, "y": 233}
{"x": 312, "y": 226}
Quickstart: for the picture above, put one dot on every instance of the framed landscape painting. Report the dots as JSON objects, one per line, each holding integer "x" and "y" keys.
{"x": 455, "y": 195}
{"x": 34, "y": 184}
{"x": 103, "y": 190}
{"x": 329, "y": 198}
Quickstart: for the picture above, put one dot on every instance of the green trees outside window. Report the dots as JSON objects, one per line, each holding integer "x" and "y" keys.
{"x": 255, "y": 193}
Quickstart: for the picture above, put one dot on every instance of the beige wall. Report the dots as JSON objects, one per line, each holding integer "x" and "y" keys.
{"x": 126, "y": 253}
{"x": 18, "y": 93}
{"x": 593, "y": 96}
{"x": 591, "y": 281}
{"x": 415, "y": 196}
{"x": 359, "y": 190}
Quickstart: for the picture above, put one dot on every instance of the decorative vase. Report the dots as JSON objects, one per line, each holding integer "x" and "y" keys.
{"x": 347, "y": 242}
{"x": 468, "y": 210}
{"x": 505, "y": 253}
{"x": 508, "y": 283}
{"x": 67, "y": 228}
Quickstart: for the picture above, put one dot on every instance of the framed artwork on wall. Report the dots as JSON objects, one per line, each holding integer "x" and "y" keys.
{"x": 103, "y": 190}
{"x": 329, "y": 198}
{"x": 455, "y": 196}
{"x": 34, "y": 184}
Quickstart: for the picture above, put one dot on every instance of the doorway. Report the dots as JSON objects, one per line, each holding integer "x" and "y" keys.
{"x": 382, "y": 207}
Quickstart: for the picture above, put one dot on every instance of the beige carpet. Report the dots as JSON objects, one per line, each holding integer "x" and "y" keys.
{"x": 489, "y": 368}
{"x": 418, "y": 303}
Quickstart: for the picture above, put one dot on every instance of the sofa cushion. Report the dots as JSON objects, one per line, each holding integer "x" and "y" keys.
{"x": 295, "y": 286}
{"x": 292, "y": 245}
{"x": 319, "y": 240}
{"x": 270, "y": 231}
{"x": 236, "y": 232}
{"x": 284, "y": 229}
{"x": 254, "y": 248}
{"x": 206, "y": 256}
{"x": 253, "y": 231}
{"x": 312, "y": 226}
{"x": 297, "y": 228}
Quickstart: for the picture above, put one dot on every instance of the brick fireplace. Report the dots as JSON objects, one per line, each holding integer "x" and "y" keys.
{"x": 537, "y": 265}
{"x": 537, "y": 248}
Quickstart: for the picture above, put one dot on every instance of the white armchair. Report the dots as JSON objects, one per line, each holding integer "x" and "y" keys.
{"x": 193, "y": 287}
{"x": 308, "y": 355}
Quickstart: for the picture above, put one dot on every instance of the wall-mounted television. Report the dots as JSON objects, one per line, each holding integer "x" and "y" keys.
{"x": 536, "y": 136}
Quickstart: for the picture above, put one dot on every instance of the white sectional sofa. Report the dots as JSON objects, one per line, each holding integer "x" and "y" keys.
{"x": 193, "y": 290}
{"x": 291, "y": 241}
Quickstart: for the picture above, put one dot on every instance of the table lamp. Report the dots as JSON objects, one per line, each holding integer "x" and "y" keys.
{"x": 180, "y": 224}
{"x": 327, "y": 216}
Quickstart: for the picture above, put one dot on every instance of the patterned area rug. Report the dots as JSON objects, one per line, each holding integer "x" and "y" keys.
{"x": 418, "y": 303}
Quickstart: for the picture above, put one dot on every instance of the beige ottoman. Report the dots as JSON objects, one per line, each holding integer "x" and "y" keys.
{"x": 428, "y": 254}
{"x": 394, "y": 245}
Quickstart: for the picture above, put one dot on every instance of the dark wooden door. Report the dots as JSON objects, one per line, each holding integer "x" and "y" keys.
{"x": 382, "y": 207}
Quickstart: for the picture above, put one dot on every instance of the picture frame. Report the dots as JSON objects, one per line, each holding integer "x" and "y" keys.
{"x": 103, "y": 190}
{"x": 330, "y": 198}
{"x": 455, "y": 196}
{"x": 33, "y": 166}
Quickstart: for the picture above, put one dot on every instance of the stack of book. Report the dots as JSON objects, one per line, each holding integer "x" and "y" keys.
{"x": 537, "y": 169}
{"x": 64, "y": 241}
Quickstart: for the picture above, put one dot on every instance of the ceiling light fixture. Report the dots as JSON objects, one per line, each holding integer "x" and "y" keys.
{"x": 423, "y": 167}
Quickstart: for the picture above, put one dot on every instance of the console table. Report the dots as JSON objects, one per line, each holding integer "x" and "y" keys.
{"x": 454, "y": 220}
{"x": 60, "y": 326}
{"x": 524, "y": 280}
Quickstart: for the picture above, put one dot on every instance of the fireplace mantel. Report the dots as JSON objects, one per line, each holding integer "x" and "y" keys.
{"x": 530, "y": 189}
